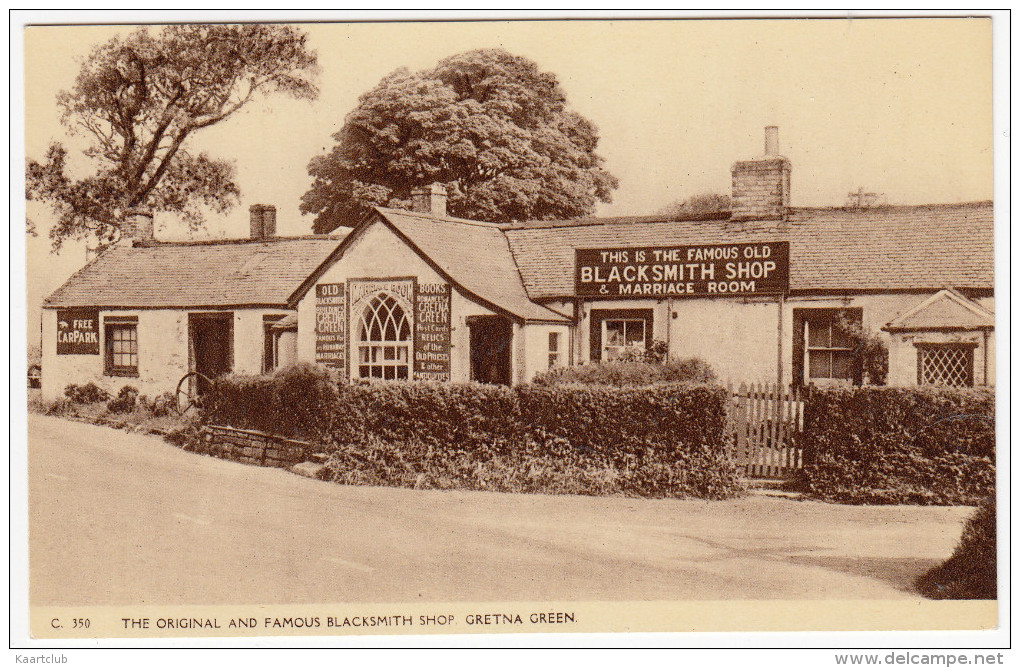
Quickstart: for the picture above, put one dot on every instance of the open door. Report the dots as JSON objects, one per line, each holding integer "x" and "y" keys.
{"x": 491, "y": 349}
{"x": 211, "y": 345}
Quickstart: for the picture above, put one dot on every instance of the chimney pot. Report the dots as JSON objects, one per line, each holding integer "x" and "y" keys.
{"x": 429, "y": 200}
{"x": 771, "y": 140}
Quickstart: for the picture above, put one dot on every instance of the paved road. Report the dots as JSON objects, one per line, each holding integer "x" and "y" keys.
{"x": 118, "y": 518}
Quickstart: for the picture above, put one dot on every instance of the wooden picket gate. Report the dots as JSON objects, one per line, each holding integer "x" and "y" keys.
{"x": 764, "y": 424}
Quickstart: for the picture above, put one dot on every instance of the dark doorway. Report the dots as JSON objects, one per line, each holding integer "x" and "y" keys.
{"x": 211, "y": 344}
{"x": 491, "y": 349}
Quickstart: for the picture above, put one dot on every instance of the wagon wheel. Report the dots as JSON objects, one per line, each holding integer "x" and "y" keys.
{"x": 188, "y": 391}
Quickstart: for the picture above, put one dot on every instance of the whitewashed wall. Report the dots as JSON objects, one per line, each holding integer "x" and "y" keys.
{"x": 162, "y": 351}
{"x": 738, "y": 336}
{"x": 535, "y": 351}
{"x": 379, "y": 253}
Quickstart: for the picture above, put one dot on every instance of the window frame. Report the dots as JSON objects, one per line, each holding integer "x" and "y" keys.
{"x": 555, "y": 349}
{"x": 968, "y": 347}
{"x": 110, "y": 326}
{"x": 830, "y": 351}
{"x": 379, "y": 349}
{"x": 801, "y": 362}
{"x": 622, "y": 349}
{"x": 596, "y": 332}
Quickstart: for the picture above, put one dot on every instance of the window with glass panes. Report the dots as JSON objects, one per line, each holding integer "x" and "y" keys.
{"x": 384, "y": 339}
{"x": 554, "y": 349}
{"x": 620, "y": 335}
{"x": 122, "y": 348}
{"x": 830, "y": 351}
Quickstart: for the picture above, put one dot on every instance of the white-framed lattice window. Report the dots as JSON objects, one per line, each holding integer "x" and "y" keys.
{"x": 621, "y": 335}
{"x": 949, "y": 364}
{"x": 830, "y": 352}
{"x": 384, "y": 339}
{"x": 555, "y": 349}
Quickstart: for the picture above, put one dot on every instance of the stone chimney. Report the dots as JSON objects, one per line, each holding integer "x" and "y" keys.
{"x": 137, "y": 228}
{"x": 761, "y": 186}
{"x": 429, "y": 200}
{"x": 263, "y": 221}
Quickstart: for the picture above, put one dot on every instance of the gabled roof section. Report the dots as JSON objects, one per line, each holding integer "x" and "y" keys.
{"x": 946, "y": 309}
{"x": 834, "y": 250}
{"x": 475, "y": 256}
{"x": 196, "y": 274}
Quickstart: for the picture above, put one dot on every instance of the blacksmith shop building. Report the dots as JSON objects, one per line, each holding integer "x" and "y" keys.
{"x": 754, "y": 291}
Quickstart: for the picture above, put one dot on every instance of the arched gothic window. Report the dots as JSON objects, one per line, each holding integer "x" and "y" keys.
{"x": 384, "y": 339}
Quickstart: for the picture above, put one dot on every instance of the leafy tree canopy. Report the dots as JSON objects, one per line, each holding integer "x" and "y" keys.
{"x": 487, "y": 124}
{"x": 138, "y": 99}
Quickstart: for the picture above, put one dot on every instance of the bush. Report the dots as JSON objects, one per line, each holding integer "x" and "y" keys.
{"x": 90, "y": 393}
{"x": 630, "y": 373}
{"x": 125, "y": 400}
{"x": 306, "y": 396}
{"x": 298, "y": 401}
{"x": 442, "y": 414}
{"x": 162, "y": 404}
{"x": 662, "y": 441}
{"x": 244, "y": 402}
{"x": 900, "y": 445}
{"x": 971, "y": 572}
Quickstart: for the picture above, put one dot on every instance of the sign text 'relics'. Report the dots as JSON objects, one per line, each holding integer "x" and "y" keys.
{"x": 683, "y": 271}
{"x": 432, "y": 332}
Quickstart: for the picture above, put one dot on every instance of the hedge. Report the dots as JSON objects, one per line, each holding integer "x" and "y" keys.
{"x": 900, "y": 445}
{"x": 970, "y": 573}
{"x": 661, "y": 441}
{"x": 630, "y": 373}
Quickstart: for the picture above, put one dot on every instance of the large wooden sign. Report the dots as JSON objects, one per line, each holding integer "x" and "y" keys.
{"x": 78, "y": 331}
{"x": 683, "y": 271}
{"x": 432, "y": 332}
{"x": 331, "y": 325}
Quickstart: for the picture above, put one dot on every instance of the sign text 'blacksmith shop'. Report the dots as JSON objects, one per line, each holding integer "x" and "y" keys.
{"x": 683, "y": 271}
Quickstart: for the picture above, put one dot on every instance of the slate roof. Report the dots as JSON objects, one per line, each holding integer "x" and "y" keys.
{"x": 475, "y": 255}
{"x": 196, "y": 274}
{"x": 947, "y": 309}
{"x": 831, "y": 250}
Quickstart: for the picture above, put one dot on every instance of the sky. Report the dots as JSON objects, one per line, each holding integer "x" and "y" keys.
{"x": 897, "y": 106}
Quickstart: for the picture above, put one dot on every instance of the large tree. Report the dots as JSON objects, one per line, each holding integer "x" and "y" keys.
{"x": 487, "y": 124}
{"x": 138, "y": 99}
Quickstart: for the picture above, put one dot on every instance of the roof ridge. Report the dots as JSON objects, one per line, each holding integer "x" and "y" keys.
{"x": 444, "y": 219}
{"x": 235, "y": 241}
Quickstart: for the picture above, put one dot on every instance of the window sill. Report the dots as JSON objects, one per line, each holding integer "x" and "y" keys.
{"x": 123, "y": 373}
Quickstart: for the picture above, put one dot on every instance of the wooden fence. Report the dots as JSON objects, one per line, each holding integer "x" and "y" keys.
{"x": 765, "y": 422}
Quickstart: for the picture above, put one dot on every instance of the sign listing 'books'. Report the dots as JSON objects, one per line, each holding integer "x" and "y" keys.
{"x": 432, "y": 332}
{"x": 683, "y": 271}
{"x": 78, "y": 331}
{"x": 331, "y": 325}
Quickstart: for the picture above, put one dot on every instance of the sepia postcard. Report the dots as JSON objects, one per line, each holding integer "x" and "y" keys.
{"x": 446, "y": 327}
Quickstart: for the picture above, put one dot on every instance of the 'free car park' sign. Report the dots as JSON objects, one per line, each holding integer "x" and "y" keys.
{"x": 683, "y": 271}
{"x": 78, "y": 331}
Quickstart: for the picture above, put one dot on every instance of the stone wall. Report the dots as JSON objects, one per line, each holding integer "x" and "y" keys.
{"x": 253, "y": 447}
